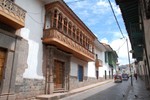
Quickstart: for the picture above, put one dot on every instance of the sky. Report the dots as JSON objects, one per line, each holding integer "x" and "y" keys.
{"x": 98, "y": 17}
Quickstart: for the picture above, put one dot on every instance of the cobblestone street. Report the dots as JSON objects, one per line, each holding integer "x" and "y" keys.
{"x": 114, "y": 91}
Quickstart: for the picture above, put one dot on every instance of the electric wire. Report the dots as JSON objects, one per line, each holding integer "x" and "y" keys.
{"x": 106, "y": 34}
{"x": 74, "y": 1}
{"x": 116, "y": 19}
{"x": 34, "y": 19}
{"x": 112, "y": 12}
{"x": 120, "y": 46}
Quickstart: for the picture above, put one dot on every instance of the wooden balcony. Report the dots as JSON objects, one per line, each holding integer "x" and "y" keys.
{"x": 11, "y": 14}
{"x": 54, "y": 37}
{"x": 98, "y": 63}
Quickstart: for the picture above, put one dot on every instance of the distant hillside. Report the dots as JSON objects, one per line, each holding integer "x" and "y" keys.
{"x": 123, "y": 67}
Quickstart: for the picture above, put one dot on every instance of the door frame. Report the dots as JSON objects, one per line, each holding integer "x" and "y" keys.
{"x": 80, "y": 75}
{"x": 52, "y": 53}
{"x": 62, "y": 72}
{"x": 3, "y": 69}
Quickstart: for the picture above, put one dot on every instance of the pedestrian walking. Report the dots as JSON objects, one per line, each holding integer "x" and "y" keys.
{"x": 135, "y": 75}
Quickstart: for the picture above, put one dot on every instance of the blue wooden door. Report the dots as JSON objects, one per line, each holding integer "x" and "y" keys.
{"x": 80, "y": 73}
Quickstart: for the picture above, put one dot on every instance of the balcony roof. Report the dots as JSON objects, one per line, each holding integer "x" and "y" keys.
{"x": 130, "y": 14}
{"x": 107, "y": 47}
{"x": 99, "y": 45}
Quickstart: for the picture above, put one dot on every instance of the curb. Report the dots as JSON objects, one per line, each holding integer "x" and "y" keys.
{"x": 69, "y": 93}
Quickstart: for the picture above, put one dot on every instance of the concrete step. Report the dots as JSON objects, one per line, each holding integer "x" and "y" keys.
{"x": 55, "y": 96}
{"x": 60, "y": 90}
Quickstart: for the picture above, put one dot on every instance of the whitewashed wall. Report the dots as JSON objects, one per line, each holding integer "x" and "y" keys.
{"x": 74, "y": 66}
{"x": 91, "y": 69}
{"x": 101, "y": 55}
{"x": 91, "y": 65}
{"x": 33, "y": 32}
{"x": 106, "y": 67}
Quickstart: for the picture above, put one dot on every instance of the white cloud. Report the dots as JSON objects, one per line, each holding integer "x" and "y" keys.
{"x": 120, "y": 45}
{"x": 91, "y": 22}
{"x": 110, "y": 20}
{"x": 84, "y": 13}
{"x": 103, "y": 7}
{"x": 116, "y": 9}
{"x": 103, "y": 3}
{"x": 117, "y": 35}
{"x": 104, "y": 40}
{"x": 78, "y": 5}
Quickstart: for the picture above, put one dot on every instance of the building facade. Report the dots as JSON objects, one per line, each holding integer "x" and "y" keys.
{"x": 105, "y": 61}
{"x": 12, "y": 18}
{"x": 74, "y": 47}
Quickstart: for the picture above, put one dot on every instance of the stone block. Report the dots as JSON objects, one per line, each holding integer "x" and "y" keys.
{"x": 8, "y": 97}
{"x": 4, "y": 97}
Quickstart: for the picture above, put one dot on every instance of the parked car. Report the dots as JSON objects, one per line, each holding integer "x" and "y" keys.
{"x": 117, "y": 78}
{"x": 125, "y": 76}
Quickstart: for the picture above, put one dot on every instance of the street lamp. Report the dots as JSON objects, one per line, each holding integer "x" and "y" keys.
{"x": 128, "y": 59}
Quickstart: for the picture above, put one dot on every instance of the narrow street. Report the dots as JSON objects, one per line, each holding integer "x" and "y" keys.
{"x": 109, "y": 91}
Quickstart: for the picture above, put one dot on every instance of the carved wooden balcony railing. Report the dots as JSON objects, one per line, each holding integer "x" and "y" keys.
{"x": 54, "y": 37}
{"x": 11, "y": 14}
{"x": 98, "y": 63}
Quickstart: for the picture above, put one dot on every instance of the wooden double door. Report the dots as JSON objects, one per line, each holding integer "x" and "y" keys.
{"x": 2, "y": 62}
{"x": 59, "y": 75}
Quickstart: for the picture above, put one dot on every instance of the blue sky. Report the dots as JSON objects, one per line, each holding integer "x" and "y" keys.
{"x": 98, "y": 17}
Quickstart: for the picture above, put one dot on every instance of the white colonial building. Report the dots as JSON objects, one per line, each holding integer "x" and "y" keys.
{"x": 45, "y": 48}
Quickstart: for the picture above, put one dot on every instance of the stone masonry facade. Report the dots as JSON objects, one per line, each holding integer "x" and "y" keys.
{"x": 29, "y": 88}
{"x": 74, "y": 83}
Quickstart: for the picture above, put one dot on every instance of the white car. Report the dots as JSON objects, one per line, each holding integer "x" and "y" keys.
{"x": 117, "y": 78}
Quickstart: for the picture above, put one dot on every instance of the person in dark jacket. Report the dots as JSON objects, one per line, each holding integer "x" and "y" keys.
{"x": 135, "y": 75}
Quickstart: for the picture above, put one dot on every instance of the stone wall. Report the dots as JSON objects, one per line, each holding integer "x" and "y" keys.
{"x": 22, "y": 55}
{"x": 26, "y": 88}
{"x": 74, "y": 83}
{"x": 29, "y": 89}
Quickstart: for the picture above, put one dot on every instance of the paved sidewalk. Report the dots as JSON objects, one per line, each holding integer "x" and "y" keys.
{"x": 138, "y": 91}
{"x": 57, "y": 96}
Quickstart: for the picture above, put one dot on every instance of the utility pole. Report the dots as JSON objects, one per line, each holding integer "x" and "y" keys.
{"x": 129, "y": 60}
